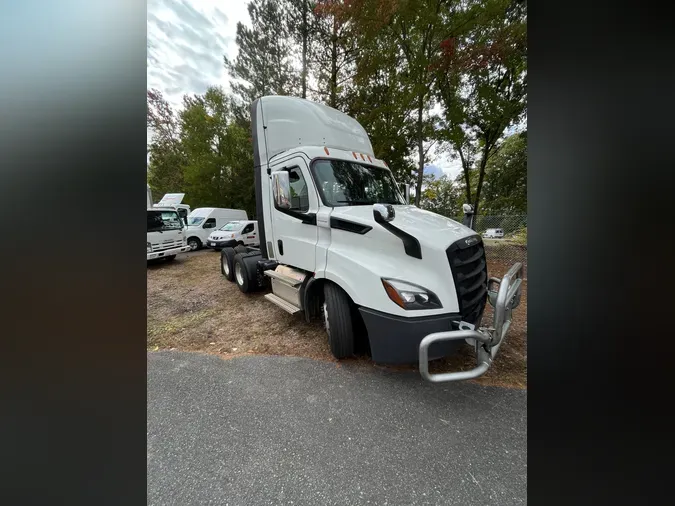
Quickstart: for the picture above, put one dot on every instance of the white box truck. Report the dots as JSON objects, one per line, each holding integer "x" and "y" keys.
{"x": 204, "y": 220}
{"x": 338, "y": 241}
{"x": 166, "y": 234}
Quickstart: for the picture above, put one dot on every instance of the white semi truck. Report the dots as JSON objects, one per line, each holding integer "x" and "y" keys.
{"x": 338, "y": 241}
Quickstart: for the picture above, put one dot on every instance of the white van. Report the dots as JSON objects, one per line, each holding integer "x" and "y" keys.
{"x": 244, "y": 233}
{"x": 204, "y": 220}
{"x": 493, "y": 233}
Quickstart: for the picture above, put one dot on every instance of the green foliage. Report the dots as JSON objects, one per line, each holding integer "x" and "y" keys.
{"x": 406, "y": 35}
{"x": 518, "y": 237}
{"x": 216, "y": 156}
{"x": 385, "y": 63}
{"x": 376, "y": 104}
{"x": 505, "y": 187}
{"x": 165, "y": 174}
{"x": 442, "y": 196}
{"x": 482, "y": 84}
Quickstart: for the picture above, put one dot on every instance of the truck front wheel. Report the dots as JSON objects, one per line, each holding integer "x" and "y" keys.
{"x": 194, "y": 243}
{"x": 337, "y": 318}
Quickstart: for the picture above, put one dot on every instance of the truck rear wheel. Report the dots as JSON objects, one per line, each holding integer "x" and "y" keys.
{"x": 245, "y": 274}
{"x": 227, "y": 263}
{"x": 337, "y": 317}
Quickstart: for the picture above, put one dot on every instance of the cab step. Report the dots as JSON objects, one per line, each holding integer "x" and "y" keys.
{"x": 283, "y": 304}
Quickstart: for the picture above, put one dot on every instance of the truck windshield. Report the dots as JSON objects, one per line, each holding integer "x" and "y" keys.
{"x": 195, "y": 220}
{"x": 231, "y": 226}
{"x": 343, "y": 183}
{"x": 159, "y": 221}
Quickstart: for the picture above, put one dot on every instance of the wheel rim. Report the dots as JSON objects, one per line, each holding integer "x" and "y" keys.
{"x": 226, "y": 266}
{"x": 325, "y": 317}
{"x": 193, "y": 245}
{"x": 239, "y": 274}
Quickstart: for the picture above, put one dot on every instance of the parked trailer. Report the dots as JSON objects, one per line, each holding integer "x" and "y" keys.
{"x": 339, "y": 241}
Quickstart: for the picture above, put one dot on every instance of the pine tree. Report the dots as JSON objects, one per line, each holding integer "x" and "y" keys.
{"x": 263, "y": 65}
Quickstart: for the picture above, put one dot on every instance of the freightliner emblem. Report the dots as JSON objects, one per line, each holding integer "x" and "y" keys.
{"x": 471, "y": 241}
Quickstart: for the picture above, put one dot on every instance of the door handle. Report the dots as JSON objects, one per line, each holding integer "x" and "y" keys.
{"x": 280, "y": 243}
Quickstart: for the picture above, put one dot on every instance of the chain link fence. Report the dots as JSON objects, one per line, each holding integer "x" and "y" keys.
{"x": 505, "y": 239}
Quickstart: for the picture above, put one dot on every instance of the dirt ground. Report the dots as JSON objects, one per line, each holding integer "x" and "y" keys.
{"x": 192, "y": 307}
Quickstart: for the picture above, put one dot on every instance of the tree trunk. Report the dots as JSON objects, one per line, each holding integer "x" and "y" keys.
{"x": 420, "y": 150}
{"x": 305, "y": 35}
{"x": 481, "y": 176}
{"x": 333, "y": 66}
{"x": 467, "y": 179}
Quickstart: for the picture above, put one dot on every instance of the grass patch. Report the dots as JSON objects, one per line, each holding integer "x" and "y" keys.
{"x": 192, "y": 307}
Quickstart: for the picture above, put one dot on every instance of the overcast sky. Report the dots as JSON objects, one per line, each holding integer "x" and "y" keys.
{"x": 186, "y": 43}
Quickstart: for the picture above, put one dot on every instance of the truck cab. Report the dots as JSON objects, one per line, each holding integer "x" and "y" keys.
{"x": 338, "y": 241}
{"x": 166, "y": 233}
{"x": 174, "y": 201}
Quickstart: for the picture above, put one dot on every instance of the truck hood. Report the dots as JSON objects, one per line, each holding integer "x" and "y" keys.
{"x": 430, "y": 229}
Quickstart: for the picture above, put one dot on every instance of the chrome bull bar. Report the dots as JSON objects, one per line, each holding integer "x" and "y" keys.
{"x": 486, "y": 340}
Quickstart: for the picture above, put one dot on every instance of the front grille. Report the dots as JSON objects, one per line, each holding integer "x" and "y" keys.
{"x": 469, "y": 271}
{"x": 166, "y": 245}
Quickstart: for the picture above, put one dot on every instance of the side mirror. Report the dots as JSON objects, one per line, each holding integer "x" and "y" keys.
{"x": 281, "y": 190}
{"x": 405, "y": 188}
{"x": 383, "y": 212}
{"x": 468, "y": 216}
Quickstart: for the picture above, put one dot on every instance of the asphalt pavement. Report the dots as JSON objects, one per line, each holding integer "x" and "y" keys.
{"x": 281, "y": 430}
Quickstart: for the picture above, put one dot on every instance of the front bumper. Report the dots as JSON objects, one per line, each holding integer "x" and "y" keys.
{"x": 486, "y": 340}
{"x": 167, "y": 252}
{"x": 396, "y": 340}
{"x": 221, "y": 244}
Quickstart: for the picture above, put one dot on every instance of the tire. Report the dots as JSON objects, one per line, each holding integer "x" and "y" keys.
{"x": 170, "y": 258}
{"x": 239, "y": 248}
{"x": 244, "y": 267}
{"x": 227, "y": 263}
{"x": 338, "y": 321}
{"x": 241, "y": 243}
{"x": 194, "y": 243}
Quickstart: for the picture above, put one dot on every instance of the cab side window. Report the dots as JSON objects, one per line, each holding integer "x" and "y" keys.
{"x": 299, "y": 192}
{"x": 210, "y": 223}
{"x": 248, "y": 229}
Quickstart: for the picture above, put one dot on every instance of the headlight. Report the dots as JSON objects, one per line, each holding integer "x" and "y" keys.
{"x": 149, "y": 247}
{"x": 410, "y": 296}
